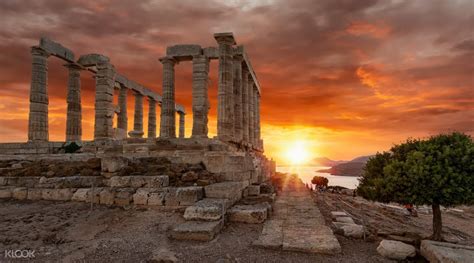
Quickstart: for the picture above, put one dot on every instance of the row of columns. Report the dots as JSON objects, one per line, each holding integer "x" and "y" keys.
{"x": 104, "y": 108}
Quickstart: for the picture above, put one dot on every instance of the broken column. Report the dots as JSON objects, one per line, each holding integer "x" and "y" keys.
{"x": 245, "y": 105}
{"x": 168, "y": 117}
{"x": 74, "y": 108}
{"x": 200, "y": 96}
{"x": 225, "y": 106}
{"x": 151, "y": 118}
{"x": 137, "y": 117}
{"x": 238, "y": 133}
{"x": 38, "y": 115}
{"x": 181, "y": 124}
{"x": 104, "y": 108}
{"x": 122, "y": 120}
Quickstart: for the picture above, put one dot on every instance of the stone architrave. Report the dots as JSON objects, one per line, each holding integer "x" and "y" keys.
{"x": 181, "y": 124}
{"x": 122, "y": 120}
{"x": 225, "y": 105}
{"x": 38, "y": 115}
{"x": 245, "y": 105}
{"x": 74, "y": 107}
{"x": 137, "y": 117}
{"x": 168, "y": 115}
{"x": 151, "y": 118}
{"x": 104, "y": 108}
{"x": 251, "y": 97}
{"x": 200, "y": 96}
{"x": 238, "y": 133}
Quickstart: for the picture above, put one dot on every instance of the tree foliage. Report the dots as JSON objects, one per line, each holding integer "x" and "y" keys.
{"x": 320, "y": 181}
{"x": 437, "y": 171}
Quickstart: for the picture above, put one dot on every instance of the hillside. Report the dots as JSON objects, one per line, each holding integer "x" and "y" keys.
{"x": 324, "y": 161}
{"x": 352, "y": 168}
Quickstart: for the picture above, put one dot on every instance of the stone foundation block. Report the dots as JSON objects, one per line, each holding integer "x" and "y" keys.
{"x": 224, "y": 190}
{"x": 58, "y": 194}
{"x": 5, "y": 192}
{"x": 251, "y": 214}
{"x": 34, "y": 194}
{"x": 156, "y": 199}
{"x": 253, "y": 190}
{"x": 86, "y": 195}
{"x": 189, "y": 195}
{"x": 140, "y": 197}
{"x": 197, "y": 230}
{"x": 206, "y": 210}
{"x": 113, "y": 164}
{"x": 395, "y": 250}
{"x": 107, "y": 196}
{"x": 20, "y": 193}
{"x": 123, "y": 197}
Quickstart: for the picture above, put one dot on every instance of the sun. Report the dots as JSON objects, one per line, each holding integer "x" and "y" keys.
{"x": 297, "y": 153}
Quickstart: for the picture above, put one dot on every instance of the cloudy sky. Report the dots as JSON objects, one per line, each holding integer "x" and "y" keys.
{"x": 346, "y": 77}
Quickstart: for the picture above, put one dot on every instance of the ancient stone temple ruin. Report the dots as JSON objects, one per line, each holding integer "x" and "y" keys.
{"x": 210, "y": 177}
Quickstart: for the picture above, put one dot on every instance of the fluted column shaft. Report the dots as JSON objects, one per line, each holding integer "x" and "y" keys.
{"x": 74, "y": 107}
{"x": 181, "y": 124}
{"x": 245, "y": 105}
{"x": 168, "y": 116}
{"x": 238, "y": 133}
{"x": 225, "y": 105}
{"x": 104, "y": 108}
{"x": 137, "y": 117}
{"x": 38, "y": 115}
{"x": 251, "y": 111}
{"x": 122, "y": 119}
{"x": 151, "y": 118}
{"x": 200, "y": 96}
{"x": 257, "y": 120}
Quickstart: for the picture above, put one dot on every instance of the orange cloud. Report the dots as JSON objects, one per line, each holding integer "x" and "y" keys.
{"x": 379, "y": 30}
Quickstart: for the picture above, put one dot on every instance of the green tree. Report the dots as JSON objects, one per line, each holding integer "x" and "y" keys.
{"x": 320, "y": 181}
{"x": 438, "y": 171}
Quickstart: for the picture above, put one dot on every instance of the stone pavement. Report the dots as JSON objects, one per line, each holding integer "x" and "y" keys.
{"x": 297, "y": 224}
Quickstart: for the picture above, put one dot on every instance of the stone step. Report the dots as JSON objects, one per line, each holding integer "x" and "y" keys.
{"x": 53, "y": 182}
{"x": 250, "y": 214}
{"x": 137, "y": 181}
{"x": 197, "y": 230}
{"x": 225, "y": 190}
{"x": 208, "y": 209}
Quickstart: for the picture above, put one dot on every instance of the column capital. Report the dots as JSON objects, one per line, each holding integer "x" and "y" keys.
{"x": 225, "y": 38}
{"x": 37, "y": 51}
{"x": 168, "y": 60}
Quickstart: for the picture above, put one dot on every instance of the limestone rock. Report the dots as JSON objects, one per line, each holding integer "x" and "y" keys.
{"x": 395, "y": 249}
{"x": 253, "y": 190}
{"x": 189, "y": 195}
{"x": 345, "y": 219}
{"x": 57, "y": 194}
{"x": 113, "y": 164}
{"x": 206, "y": 209}
{"x": 350, "y": 230}
{"x": 197, "y": 230}
{"x": 189, "y": 177}
{"x": 20, "y": 193}
{"x": 123, "y": 196}
{"x": 156, "y": 199}
{"x": 107, "y": 196}
{"x": 251, "y": 214}
{"x": 272, "y": 235}
{"x": 224, "y": 190}
{"x": 337, "y": 214}
{"x": 34, "y": 194}
{"x": 163, "y": 255}
{"x": 443, "y": 252}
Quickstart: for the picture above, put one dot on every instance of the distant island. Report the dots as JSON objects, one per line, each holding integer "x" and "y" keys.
{"x": 353, "y": 167}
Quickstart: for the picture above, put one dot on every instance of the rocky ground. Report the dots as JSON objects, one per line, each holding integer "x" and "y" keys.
{"x": 76, "y": 231}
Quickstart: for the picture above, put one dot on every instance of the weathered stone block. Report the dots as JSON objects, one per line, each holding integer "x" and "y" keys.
{"x": 183, "y": 52}
{"x": 206, "y": 209}
{"x": 337, "y": 214}
{"x": 141, "y": 197}
{"x": 395, "y": 250}
{"x": 86, "y": 195}
{"x": 20, "y": 193}
{"x": 189, "y": 195}
{"x": 34, "y": 194}
{"x": 444, "y": 252}
{"x": 5, "y": 192}
{"x": 197, "y": 230}
{"x": 113, "y": 164}
{"x": 224, "y": 190}
{"x": 107, "y": 196}
{"x": 57, "y": 194}
{"x": 253, "y": 190}
{"x": 123, "y": 197}
{"x": 157, "y": 199}
{"x": 251, "y": 214}
{"x": 120, "y": 181}
{"x": 345, "y": 219}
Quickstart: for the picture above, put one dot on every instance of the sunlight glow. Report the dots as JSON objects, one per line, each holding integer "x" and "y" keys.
{"x": 297, "y": 153}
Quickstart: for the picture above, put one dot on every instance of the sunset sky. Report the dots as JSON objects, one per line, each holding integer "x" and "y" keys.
{"x": 345, "y": 78}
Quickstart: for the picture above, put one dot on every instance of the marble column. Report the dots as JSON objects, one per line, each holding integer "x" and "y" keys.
{"x": 74, "y": 108}
{"x": 151, "y": 118}
{"x": 257, "y": 121}
{"x": 225, "y": 105}
{"x": 238, "y": 133}
{"x": 200, "y": 96}
{"x": 38, "y": 115}
{"x": 181, "y": 124}
{"x": 168, "y": 115}
{"x": 122, "y": 119}
{"x": 137, "y": 117}
{"x": 104, "y": 108}
{"x": 245, "y": 105}
{"x": 251, "y": 96}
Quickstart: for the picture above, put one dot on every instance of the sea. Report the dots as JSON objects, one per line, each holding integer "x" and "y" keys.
{"x": 306, "y": 173}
